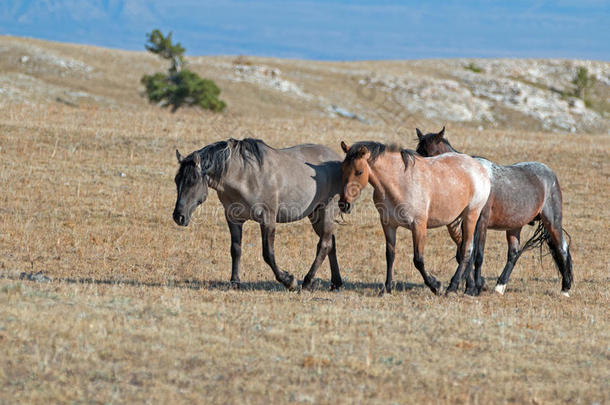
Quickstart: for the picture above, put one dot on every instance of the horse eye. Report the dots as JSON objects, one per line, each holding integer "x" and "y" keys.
{"x": 358, "y": 172}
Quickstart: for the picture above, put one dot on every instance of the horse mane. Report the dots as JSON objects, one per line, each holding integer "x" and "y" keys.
{"x": 377, "y": 149}
{"x": 214, "y": 157}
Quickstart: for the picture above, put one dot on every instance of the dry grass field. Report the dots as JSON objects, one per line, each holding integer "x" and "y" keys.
{"x": 128, "y": 307}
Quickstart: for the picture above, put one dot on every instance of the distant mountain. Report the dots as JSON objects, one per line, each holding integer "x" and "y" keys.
{"x": 113, "y": 23}
{"x": 326, "y": 29}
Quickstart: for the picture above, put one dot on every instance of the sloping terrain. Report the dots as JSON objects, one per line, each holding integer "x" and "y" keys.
{"x": 494, "y": 93}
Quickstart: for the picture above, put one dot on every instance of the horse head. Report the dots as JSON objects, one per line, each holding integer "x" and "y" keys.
{"x": 432, "y": 144}
{"x": 192, "y": 187}
{"x": 355, "y": 175}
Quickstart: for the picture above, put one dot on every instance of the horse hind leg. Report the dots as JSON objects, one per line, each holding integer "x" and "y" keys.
{"x": 235, "y": 228}
{"x": 268, "y": 237}
{"x": 455, "y": 232}
{"x": 469, "y": 221}
{"x": 560, "y": 251}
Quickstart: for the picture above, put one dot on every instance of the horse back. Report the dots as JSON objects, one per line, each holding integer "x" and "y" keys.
{"x": 290, "y": 183}
{"x": 458, "y": 183}
{"x": 519, "y": 192}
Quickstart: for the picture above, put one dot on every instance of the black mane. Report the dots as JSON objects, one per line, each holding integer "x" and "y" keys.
{"x": 214, "y": 157}
{"x": 377, "y": 149}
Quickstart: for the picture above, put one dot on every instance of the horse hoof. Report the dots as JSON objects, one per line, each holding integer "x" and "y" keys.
{"x": 500, "y": 288}
{"x": 336, "y": 287}
{"x": 306, "y": 285}
{"x": 435, "y": 287}
{"x": 471, "y": 292}
{"x": 292, "y": 285}
{"x": 565, "y": 294}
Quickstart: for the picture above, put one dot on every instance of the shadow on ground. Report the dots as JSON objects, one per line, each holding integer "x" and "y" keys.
{"x": 318, "y": 284}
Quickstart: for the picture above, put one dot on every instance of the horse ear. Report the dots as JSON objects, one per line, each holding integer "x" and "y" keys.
{"x": 344, "y": 147}
{"x": 442, "y": 133}
{"x": 362, "y": 151}
{"x": 197, "y": 160}
{"x": 419, "y": 134}
{"x": 178, "y": 156}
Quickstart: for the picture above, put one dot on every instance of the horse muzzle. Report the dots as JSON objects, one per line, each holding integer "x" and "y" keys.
{"x": 345, "y": 207}
{"x": 180, "y": 219}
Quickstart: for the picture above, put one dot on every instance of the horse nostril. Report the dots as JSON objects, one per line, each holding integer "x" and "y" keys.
{"x": 344, "y": 206}
{"x": 179, "y": 218}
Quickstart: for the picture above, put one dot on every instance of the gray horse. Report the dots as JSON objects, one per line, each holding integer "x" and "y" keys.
{"x": 257, "y": 182}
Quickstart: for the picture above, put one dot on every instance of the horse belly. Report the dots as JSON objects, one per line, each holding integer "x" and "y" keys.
{"x": 296, "y": 202}
{"x": 514, "y": 207}
{"x": 444, "y": 211}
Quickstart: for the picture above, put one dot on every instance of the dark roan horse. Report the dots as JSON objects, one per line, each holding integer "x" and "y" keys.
{"x": 520, "y": 194}
{"x": 257, "y": 182}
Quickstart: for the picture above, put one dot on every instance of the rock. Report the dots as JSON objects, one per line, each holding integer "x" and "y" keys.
{"x": 346, "y": 114}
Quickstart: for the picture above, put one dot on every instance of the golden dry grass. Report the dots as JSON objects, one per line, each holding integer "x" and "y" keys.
{"x": 139, "y": 310}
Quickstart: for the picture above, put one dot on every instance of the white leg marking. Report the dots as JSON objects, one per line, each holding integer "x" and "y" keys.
{"x": 500, "y": 288}
{"x": 565, "y": 293}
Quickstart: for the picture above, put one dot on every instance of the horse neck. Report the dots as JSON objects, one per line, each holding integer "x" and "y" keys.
{"x": 376, "y": 169}
{"x": 229, "y": 180}
{"x": 449, "y": 147}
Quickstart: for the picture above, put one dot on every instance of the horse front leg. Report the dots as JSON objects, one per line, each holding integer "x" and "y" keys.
{"x": 479, "y": 254}
{"x": 390, "y": 253}
{"x": 235, "y": 228}
{"x": 323, "y": 225}
{"x": 268, "y": 238}
{"x": 513, "y": 238}
{"x": 335, "y": 274}
{"x": 419, "y": 240}
{"x": 480, "y": 237}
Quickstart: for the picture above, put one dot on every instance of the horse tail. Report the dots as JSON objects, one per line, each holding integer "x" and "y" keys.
{"x": 537, "y": 240}
{"x": 563, "y": 260}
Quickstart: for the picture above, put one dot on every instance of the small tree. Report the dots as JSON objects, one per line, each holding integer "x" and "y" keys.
{"x": 179, "y": 86}
{"x": 162, "y": 46}
{"x": 582, "y": 81}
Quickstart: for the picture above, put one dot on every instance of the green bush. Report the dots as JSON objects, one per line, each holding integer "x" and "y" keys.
{"x": 582, "y": 81}
{"x": 178, "y": 86}
{"x": 183, "y": 88}
{"x": 474, "y": 68}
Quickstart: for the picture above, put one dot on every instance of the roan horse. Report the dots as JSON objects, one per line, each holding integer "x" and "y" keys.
{"x": 520, "y": 194}
{"x": 416, "y": 193}
{"x": 257, "y": 182}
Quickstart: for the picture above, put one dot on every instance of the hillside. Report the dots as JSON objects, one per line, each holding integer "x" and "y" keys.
{"x": 399, "y": 95}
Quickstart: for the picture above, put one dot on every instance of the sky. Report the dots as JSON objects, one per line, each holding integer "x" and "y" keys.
{"x": 327, "y": 30}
